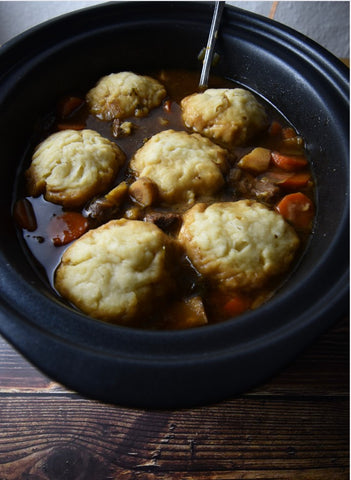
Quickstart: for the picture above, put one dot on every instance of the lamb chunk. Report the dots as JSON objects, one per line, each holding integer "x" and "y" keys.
{"x": 166, "y": 221}
{"x": 260, "y": 188}
{"x": 244, "y": 184}
{"x": 265, "y": 190}
{"x": 107, "y": 207}
{"x": 24, "y": 215}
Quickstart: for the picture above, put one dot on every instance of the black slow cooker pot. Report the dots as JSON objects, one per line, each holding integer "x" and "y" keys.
{"x": 175, "y": 369}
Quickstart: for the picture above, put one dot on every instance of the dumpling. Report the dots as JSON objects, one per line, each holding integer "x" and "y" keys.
{"x": 238, "y": 244}
{"x": 124, "y": 94}
{"x": 183, "y": 166}
{"x": 118, "y": 271}
{"x": 227, "y": 116}
{"x": 72, "y": 166}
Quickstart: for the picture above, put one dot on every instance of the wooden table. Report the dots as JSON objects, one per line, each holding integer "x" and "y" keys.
{"x": 294, "y": 427}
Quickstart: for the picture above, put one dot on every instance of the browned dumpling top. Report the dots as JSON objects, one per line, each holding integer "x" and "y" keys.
{"x": 228, "y": 116}
{"x": 117, "y": 271}
{"x": 183, "y": 166}
{"x": 238, "y": 244}
{"x": 124, "y": 94}
{"x": 72, "y": 166}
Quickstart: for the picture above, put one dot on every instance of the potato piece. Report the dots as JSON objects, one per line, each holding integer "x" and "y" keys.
{"x": 256, "y": 161}
{"x": 292, "y": 146}
{"x": 134, "y": 213}
{"x": 117, "y": 194}
{"x": 186, "y": 314}
{"x": 144, "y": 191}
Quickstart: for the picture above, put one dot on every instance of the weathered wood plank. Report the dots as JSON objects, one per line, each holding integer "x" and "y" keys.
{"x": 293, "y": 427}
{"x": 245, "y": 438}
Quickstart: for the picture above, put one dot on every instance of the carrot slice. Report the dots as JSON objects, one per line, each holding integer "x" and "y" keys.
{"x": 69, "y": 105}
{"x": 24, "y": 215}
{"x": 167, "y": 106}
{"x": 235, "y": 306}
{"x": 288, "y": 180}
{"x": 275, "y": 128}
{"x": 297, "y": 209}
{"x": 289, "y": 163}
{"x": 296, "y": 181}
{"x": 288, "y": 132}
{"x": 277, "y": 177}
{"x": 67, "y": 227}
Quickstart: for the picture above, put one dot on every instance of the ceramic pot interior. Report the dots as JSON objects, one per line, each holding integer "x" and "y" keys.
{"x": 296, "y": 77}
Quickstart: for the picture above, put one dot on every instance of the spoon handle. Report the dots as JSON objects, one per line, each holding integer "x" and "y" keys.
{"x": 216, "y": 19}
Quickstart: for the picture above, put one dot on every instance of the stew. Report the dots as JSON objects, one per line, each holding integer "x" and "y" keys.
{"x": 272, "y": 169}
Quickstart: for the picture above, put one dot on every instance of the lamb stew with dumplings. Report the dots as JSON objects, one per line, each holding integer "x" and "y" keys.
{"x": 147, "y": 203}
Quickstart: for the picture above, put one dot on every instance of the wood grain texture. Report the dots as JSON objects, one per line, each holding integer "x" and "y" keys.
{"x": 259, "y": 434}
{"x": 294, "y": 427}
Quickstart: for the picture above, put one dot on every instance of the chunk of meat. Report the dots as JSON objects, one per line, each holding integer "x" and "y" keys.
{"x": 261, "y": 188}
{"x": 166, "y": 221}
{"x": 105, "y": 208}
{"x": 265, "y": 190}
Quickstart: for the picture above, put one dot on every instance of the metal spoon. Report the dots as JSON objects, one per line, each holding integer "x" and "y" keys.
{"x": 216, "y": 19}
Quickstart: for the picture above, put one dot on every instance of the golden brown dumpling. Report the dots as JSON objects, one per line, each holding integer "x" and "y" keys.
{"x": 118, "y": 271}
{"x": 227, "y": 116}
{"x": 72, "y": 166}
{"x": 183, "y": 166}
{"x": 238, "y": 244}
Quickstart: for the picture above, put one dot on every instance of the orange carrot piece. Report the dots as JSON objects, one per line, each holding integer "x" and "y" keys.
{"x": 275, "y": 128}
{"x": 289, "y": 163}
{"x": 236, "y": 305}
{"x": 69, "y": 105}
{"x": 277, "y": 177}
{"x": 297, "y": 209}
{"x": 167, "y": 106}
{"x": 296, "y": 181}
{"x": 67, "y": 227}
{"x": 288, "y": 180}
{"x": 288, "y": 132}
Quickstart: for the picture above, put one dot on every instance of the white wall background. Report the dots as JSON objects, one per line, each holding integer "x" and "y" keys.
{"x": 326, "y": 22}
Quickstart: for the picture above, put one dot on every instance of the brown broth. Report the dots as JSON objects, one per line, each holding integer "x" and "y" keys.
{"x": 178, "y": 85}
